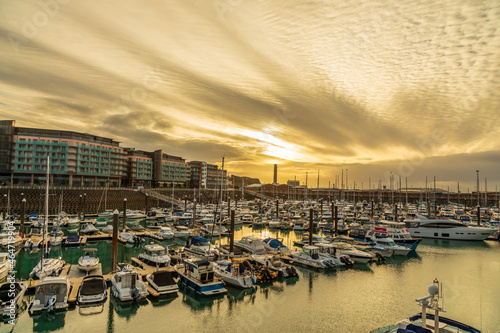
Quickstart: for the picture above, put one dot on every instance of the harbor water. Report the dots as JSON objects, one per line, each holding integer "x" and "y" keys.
{"x": 356, "y": 299}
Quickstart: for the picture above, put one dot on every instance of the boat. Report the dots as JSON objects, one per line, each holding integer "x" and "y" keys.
{"x": 446, "y": 229}
{"x": 358, "y": 256}
{"x": 309, "y": 257}
{"x": 72, "y": 240}
{"x": 181, "y": 232}
{"x": 88, "y": 262}
{"x": 305, "y": 240}
{"x": 212, "y": 229}
{"x": 165, "y": 233}
{"x": 275, "y": 264}
{"x": 162, "y": 282}
{"x": 134, "y": 215}
{"x": 73, "y": 220}
{"x": 247, "y": 219}
{"x": 300, "y": 225}
{"x": 101, "y": 222}
{"x": 286, "y": 225}
{"x": 126, "y": 284}
{"x": 200, "y": 247}
{"x": 33, "y": 239}
{"x": 275, "y": 245}
{"x": 251, "y": 244}
{"x": 329, "y": 251}
{"x": 88, "y": 229}
{"x": 55, "y": 238}
{"x": 129, "y": 237}
{"x": 51, "y": 294}
{"x": 395, "y": 230}
{"x": 199, "y": 275}
{"x": 11, "y": 297}
{"x": 5, "y": 266}
{"x": 92, "y": 290}
{"x": 155, "y": 255}
{"x": 235, "y": 274}
{"x": 259, "y": 222}
{"x": 274, "y": 223}
{"x": 388, "y": 244}
{"x": 108, "y": 229}
{"x": 428, "y": 323}
{"x": 10, "y": 238}
{"x": 47, "y": 267}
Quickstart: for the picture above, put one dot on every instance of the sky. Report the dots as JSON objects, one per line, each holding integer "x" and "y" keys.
{"x": 408, "y": 88}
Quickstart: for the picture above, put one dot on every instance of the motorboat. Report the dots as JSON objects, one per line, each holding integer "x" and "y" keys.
{"x": 274, "y": 223}
{"x": 235, "y": 274}
{"x": 213, "y": 230}
{"x": 55, "y": 238}
{"x": 395, "y": 230}
{"x": 305, "y": 240}
{"x": 200, "y": 247}
{"x": 359, "y": 257}
{"x": 446, "y": 229}
{"x": 251, "y": 244}
{"x": 88, "y": 229}
{"x": 92, "y": 290}
{"x": 107, "y": 214}
{"x": 47, "y": 267}
{"x": 101, "y": 222}
{"x": 424, "y": 322}
{"x": 134, "y": 215}
{"x": 199, "y": 275}
{"x": 155, "y": 255}
{"x": 286, "y": 225}
{"x": 108, "y": 229}
{"x": 5, "y": 266}
{"x": 165, "y": 233}
{"x": 309, "y": 256}
{"x": 162, "y": 282}
{"x": 73, "y": 220}
{"x": 10, "y": 238}
{"x": 259, "y": 222}
{"x": 89, "y": 261}
{"x": 300, "y": 225}
{"x": 72, "y": 240}
{"x": 181, "y": 232}
{"x": 129, "y": 237}
{"x": 126, "y": 284}
{"x": 275, "y": 245}
{"x": 275, "y": 264}
{"x": 11, "y": 297}
{"x": 247, "y": 219}
{"x": 51, "y": 294}
{"x": 389, "y": 244}
{"x": 329, "y": 251}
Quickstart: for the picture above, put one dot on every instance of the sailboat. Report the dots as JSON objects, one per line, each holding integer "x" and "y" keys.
{"x": 47, "y": 266}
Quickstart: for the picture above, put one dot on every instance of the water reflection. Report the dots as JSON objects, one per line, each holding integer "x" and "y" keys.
{"x": 197, "y": 302}
{"x": 48, "y": 321}
{"x": 163, "y": 300}
{"x": 126, "y": 309}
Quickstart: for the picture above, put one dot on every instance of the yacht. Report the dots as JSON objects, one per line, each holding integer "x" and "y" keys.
{"x": 5, "y": 266}
{"x": 88, "y": 262}
{"x": 388, "y": 243}
{"x": 72, "y": 240}
{"x": 181, "y": 232}
{"x": 395, "y": 230}
{"x": 309, "y": 257}
{"x": 155, "y": 255}
{"x": 162, "y": 282}
{"x": 200, "y": 246}
{"x": 10, "y": 238}
{"x": 428, "y": 323}
{"x": 274, "y": 223}
{"x": 446, "y": 229}
{"x": 55, "y": 238}
{"x": 92, "y": 290}
{"x": 126, "y": 284}
{"x": 305, "y": 240}
{"x": 356, "y": 255}
{"x": 11, "y": 297}
{"x": 51, "y": 294}
{"x": 165, "y": 233}
{"x": 275, "y": 264}
{"x": 251, "y": 244}
{"x": 199, "y": 275}
{"x": 47, "y": 267}
{"x": 235, "y": 274}
{"x": 329, "y": 251}
{"x": 33, "y": 239}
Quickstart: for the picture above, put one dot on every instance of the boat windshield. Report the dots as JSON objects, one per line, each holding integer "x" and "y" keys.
{"x": 201, "y": 244}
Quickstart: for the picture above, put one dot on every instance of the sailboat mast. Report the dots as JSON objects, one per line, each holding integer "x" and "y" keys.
{"x": 46, "y": 220}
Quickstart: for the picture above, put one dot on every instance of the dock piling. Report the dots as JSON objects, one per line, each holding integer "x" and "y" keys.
{"x": 23, "y": 204}
{"x": 124, "y": 213}
{"x": 310, "y": 226}
{"x": 231, "y": 238}
{"x": 114, "y": 247}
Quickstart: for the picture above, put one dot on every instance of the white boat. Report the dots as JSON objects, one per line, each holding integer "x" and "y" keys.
{"x": 275, "y": 245}
{"x": 300, "y": 225}
{"x": 5, "y": 266}
{"x": 446, "y": 229}
{"x": 108, "y": 213}
{"x": 359, "y": 257}
{"x": 162, "y": 282}
{"x": 47, "y": 267}
{"x": 309, "y": 256}
{"x": 55, "y": 238}
{"x": 305, "y": 240}
{"x": 252, "y": 245}
{"x": 51, "y": 294}
{"x": 11, "y": 298}
{"x": 12, "y": 239}
{"x": 155, "y": 255}
{"x": 92, "y": 290}
{"x": 89, "y": 229}
{"x": 73, "y": 220}
{"x": 108, "y": 229}
{"x": 329, "y": 251}
{"x": 424, "y": 322}
{"x": 181, "y": 232}
{"x": 275, "y": 264}
{"x": 247, "y": 219}
{"x": 259, "y": 222}
{"x": 101, "y": 222}
{"x": 33, "y": 240}
{"x": 214, "y": 230}
{"x": 200, "y": 247}
{"x": 129, "y": 237}
{"x": 126, "y": 284}
{"x": 165, "y": 233}
{"x": 89, "y": 261}
{"x": 199, "y": 275}
{"x": 235, "y": 274}
{"x": 395, "y": 230}
{"x": 134, "y": 215}
{"x": 388, "y": 243}
{"x": 274, "y": 223}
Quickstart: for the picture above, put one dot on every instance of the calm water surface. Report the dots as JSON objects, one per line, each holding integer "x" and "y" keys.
{"x": 344, "y": 300}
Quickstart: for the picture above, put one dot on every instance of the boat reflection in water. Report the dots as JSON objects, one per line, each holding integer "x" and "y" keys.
{"x": 235, "y": 295}
{"x": 127, "y": 309}
{"x": 197, "y": 302}
{"x": 49, "y": 321}
{"x": 163, "y": 300}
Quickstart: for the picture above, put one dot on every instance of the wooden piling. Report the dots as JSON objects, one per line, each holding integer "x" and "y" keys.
{"x": 310, "y": 226}
{"x": 124, "y": 213}
{"x": 84, "y": 204}
{"x": 146, "y": 203}
{"x": 231, "y": 236}
{"x": 114, "y": 247}
{"x": 478, "y": 215}
{"x": 336, "y": 221}
{"x": 23, "y": 204}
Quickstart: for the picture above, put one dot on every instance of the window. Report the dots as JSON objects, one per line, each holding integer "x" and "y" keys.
{"x": 445, "y": 235}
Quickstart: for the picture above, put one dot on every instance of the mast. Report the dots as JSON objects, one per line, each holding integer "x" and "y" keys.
{"x": 46, "y": 220}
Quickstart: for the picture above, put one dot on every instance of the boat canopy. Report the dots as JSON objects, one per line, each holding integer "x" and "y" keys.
{"x": 274, "y": 243}
{"x": 196, "y": 240}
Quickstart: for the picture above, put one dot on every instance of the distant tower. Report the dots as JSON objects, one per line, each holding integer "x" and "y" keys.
{"x": 275, "y": 179}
